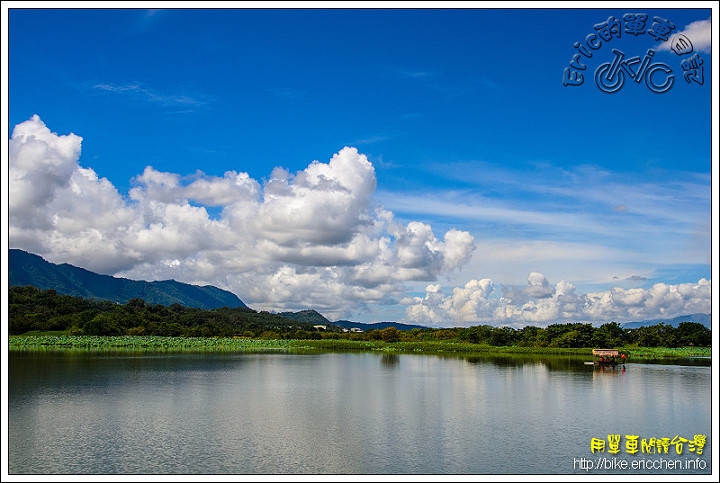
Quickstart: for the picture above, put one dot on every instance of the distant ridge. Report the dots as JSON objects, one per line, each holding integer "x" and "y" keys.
{"x": 314, "y": 317}
{"x": 704, "y": 319}
{"x": 346, "y": 324}
{"x": 29, "y": 269}
{"x": 309, "y": 316}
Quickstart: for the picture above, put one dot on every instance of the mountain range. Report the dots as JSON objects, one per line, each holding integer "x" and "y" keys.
{"x": 316, "y": 318}
{"x": 347, "y": 324}
{"x": 29, "y": 269}
{"x": 704, "y": 319}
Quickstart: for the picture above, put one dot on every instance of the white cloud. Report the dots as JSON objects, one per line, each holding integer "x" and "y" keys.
{"x": 565, "y": 223}
{"x": 310, "y": 239}
{"x": 317, "y": 239}
{"x": 326, "y": 204}
{"x": 538, "y": 286}
{"x": 699, "y": 33}
{"x": 540, "y": 304}
{"x": 138, "y": 91}
{"x": 42, "y": 164}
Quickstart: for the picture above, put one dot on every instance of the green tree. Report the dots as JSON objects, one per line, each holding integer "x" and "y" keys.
{"x": 608, "y": 335}
{"x": 139, "y": 330}
{"x": 502, "y": 336}
{"x": 136, "y": 303}
{"x": 693, "y": 333}
{"x": 529, "y": 336}
{"x": 658, "y": 335}
{"x": 390, "y": 334}
{"x": 102, "y": 324}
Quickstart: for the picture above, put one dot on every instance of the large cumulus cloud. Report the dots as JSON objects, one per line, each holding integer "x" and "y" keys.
{"x": 540, "y": 303}
{"x": 314, "y": 238}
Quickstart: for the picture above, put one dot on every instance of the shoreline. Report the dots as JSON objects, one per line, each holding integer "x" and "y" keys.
{"x": 150, "y": 344}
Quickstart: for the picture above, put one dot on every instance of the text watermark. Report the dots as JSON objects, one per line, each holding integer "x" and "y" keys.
{"x": 605, "y": 463}
{"x": 611, "y": 76}
{"x": 634, "y": 444}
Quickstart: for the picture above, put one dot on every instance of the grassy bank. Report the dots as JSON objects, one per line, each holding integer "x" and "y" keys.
{"x": 141, "y": 343}
{"x": 239, "y": 344}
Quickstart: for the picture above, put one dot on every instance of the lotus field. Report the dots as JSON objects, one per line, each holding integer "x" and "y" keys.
{"x": 142, "y": 343}
{"x": 149, "y": 344}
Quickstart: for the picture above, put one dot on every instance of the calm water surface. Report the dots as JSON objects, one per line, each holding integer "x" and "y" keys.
{"x": 340, "y": 413}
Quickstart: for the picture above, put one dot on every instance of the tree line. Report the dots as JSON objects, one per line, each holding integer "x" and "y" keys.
{"x": 32, "y": 310}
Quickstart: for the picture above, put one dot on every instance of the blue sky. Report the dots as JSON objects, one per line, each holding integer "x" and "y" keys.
{"x": 420, "y": 165}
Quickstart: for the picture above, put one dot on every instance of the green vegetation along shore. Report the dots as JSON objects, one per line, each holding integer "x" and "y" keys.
{"x": 46, "y": 321}
{"x": 37, "y": 312}
{"x": 84, "y": 343}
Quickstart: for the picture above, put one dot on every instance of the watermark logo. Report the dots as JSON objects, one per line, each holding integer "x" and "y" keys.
{"x": 611, "y": 76}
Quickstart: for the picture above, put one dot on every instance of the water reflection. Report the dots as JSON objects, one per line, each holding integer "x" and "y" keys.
{"x": 335, "y": 413}
{"x": 571, "y": 363}
{"x": 390, "y": 359}
{"x": 33, "y": 370}
{"x": 551, "y": 363}
{"x": 610, "y": 370}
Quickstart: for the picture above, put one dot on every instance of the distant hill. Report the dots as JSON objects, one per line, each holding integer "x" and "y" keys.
{"x": 704, "y": 319}
{"x": 346, "y": 324}
{"x": 316, "y": 318}
{"x": 28, "y": 269}
{"x": 309, "y": 316}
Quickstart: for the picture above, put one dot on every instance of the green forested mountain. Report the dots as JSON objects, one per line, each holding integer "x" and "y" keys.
{"x": 28, "y": 269}
{"x": 32, "y": 310}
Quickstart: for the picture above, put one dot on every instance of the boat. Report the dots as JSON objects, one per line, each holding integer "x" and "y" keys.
{"x": 607, "y": 357}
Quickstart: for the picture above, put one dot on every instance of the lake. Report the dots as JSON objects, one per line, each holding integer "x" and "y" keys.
{"x": 353, "y": 414}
